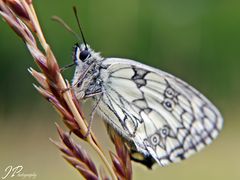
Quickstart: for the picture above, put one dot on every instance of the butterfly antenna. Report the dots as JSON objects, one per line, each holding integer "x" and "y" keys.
{"x": 64, "y": 24}
{"x": 79, "y": 26}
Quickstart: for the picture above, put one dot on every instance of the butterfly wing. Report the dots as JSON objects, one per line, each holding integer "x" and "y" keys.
{"x": 160, "y": 114}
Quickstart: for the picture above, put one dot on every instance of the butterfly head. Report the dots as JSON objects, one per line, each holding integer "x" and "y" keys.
{"x": 84, "y": 54}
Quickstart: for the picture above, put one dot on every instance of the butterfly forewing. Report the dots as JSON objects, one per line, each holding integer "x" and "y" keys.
{"x": 162, "y": 115}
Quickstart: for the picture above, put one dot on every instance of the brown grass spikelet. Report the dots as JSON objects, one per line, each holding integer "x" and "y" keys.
{"x": 121, "y": 161}
{"x": 76, "y": 155}
{"x": 20, "y": 15}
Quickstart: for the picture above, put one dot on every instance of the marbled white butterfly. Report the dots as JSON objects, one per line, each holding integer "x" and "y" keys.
{"x": 159, "y": 115}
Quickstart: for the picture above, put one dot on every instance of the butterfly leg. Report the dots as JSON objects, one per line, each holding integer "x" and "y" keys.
{"x": 93, "y": 94}
{"x": 92, "y": 116}
{"x": 81, "y": 77}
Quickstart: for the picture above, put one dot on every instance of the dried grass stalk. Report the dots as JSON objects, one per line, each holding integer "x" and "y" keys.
{"x": 21, "y": 17}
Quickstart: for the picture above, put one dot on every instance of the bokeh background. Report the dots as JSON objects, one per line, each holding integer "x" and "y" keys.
{"x": 196, "y": 40}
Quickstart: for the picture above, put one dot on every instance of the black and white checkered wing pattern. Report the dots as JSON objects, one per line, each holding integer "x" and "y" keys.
{"x": 162, "y": 115}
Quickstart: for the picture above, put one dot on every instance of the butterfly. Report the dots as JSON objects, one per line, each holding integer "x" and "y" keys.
{"x": 161, "y": 117}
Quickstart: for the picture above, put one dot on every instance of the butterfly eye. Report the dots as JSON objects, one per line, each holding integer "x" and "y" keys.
{"x": 84, "y": 55}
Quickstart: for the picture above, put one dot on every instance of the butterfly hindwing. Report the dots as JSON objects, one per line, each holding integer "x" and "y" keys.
{"x": 162, "y": 115}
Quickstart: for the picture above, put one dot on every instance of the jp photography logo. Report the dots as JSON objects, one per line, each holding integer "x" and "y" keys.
{"x": 13, "y": 172}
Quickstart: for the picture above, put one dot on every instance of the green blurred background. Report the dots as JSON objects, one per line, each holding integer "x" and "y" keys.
{"x": 196, "y": 40}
